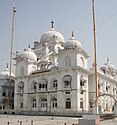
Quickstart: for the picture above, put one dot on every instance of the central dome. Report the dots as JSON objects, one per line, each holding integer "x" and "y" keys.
{"x": 52, "y": 35}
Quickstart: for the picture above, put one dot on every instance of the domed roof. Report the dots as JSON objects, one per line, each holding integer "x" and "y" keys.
{"x": 5, "y": 73}
{"x": 52, "y": 35}
{"x": 28, "y": 54}
{"x": 72, "y": 43}
{"x": 109, "y": 64}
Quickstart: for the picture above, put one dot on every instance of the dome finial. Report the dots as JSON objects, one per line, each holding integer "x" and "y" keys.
{"x": 29, "y": 46}
{"x": 108, "y": 60}
{"x": 52, "y": 24}
{"x": 7, "y": 65}
{"x": 72, "y": 34}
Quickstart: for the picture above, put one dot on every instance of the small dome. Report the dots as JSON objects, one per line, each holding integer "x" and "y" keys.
{"x": 52, "y": 35}
{"x": 5, "y": 73}
{"x": 109, "y": 64}
{"x": 72, "y": 43}
{"x": 28, "y": 54}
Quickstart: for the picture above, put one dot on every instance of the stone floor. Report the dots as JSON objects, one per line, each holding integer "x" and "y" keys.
{"x": 44, "y": 120}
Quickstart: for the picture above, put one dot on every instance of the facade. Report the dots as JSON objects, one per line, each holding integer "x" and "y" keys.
{"x": 4, "y": 80}
{"x": 107, "y": 87}
{"x": 53, "y": 76}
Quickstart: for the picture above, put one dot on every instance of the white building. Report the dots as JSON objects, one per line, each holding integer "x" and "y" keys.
{"x": 53, "y": 77}
{"x": 4, "y": 81}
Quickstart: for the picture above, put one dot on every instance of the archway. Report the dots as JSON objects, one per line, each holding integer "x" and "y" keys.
{"x": 107, "y": 107}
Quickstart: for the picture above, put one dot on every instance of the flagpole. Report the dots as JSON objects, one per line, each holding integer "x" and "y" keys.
{"x": 95, "y": 54}
{"x": 12, "y": 41}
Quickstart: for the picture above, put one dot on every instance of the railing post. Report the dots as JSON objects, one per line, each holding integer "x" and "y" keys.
{"x": 32, "y": 122}
{"x": 20, "y": 122}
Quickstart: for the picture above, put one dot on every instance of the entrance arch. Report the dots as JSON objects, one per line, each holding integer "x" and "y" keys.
{"x": 111, "y": 96}
{"x": 106, "y": 95}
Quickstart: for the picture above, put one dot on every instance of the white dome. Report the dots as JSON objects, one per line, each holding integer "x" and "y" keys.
{"x": 52, "y": 35}
{"x": 109, "y": 64}
{"x": 72, "y": 43}
{"x": 5, "y": 73}
{"x": 29, "y": 54}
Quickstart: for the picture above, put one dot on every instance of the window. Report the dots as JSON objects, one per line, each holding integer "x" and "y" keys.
{"x": 81, "y": 104}
{"x": 82, "y": 81}
{"x": 34, "y": 85}
{"x": 40, "y": 86}
{"x": 43, "y": 84}
{"x": 43, "y": 103}
{"x": 67, "y": 81}
{"x": 67, "y": 92}
{"x": 54, "y": 103}
{"x": 4, "y": 94}
{"x": 68, "y": 103}
{"x": 34, "y": 104}
{"x": 54, "y": 84}
{"x": 20, "y": 87}
{"x": 21, "y": 105}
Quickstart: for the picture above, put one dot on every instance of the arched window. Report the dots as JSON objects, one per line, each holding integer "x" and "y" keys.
{"x": 34, "y": 104}
{"x": 44, "y": 103}
{"x": 54, "y": 103}
{"x": 68, "y": 103}
{"x": 43, "y": 85}
{"x": 67, "y": 81}
{"x": 4, "y": 94}
{"x": 21, "y": 87}
{"x": 82, "y": 81}
{"x": 81, "y": 62}
{"x": 67, "y": 61}
{"x": 54, "y": 84}
{"x": 34, "y": 85}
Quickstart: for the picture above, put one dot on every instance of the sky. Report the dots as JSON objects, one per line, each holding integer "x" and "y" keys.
{"x": 33, "y": 18}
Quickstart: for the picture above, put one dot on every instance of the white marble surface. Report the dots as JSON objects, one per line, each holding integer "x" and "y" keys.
{"x": 44, "y": 120}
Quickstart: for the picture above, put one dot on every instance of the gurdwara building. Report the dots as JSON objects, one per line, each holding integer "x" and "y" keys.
{"x": 53, "y": 76}
{"x": 4, "y": 85}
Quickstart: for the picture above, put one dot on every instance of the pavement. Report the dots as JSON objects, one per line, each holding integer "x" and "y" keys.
{"x": 44, "y": 120}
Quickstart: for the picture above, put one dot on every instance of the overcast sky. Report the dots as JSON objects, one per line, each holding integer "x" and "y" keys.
{"x": 33, "y": 18}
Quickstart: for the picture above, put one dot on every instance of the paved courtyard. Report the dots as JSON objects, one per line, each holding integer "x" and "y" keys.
{"x": 43, "y": 120}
